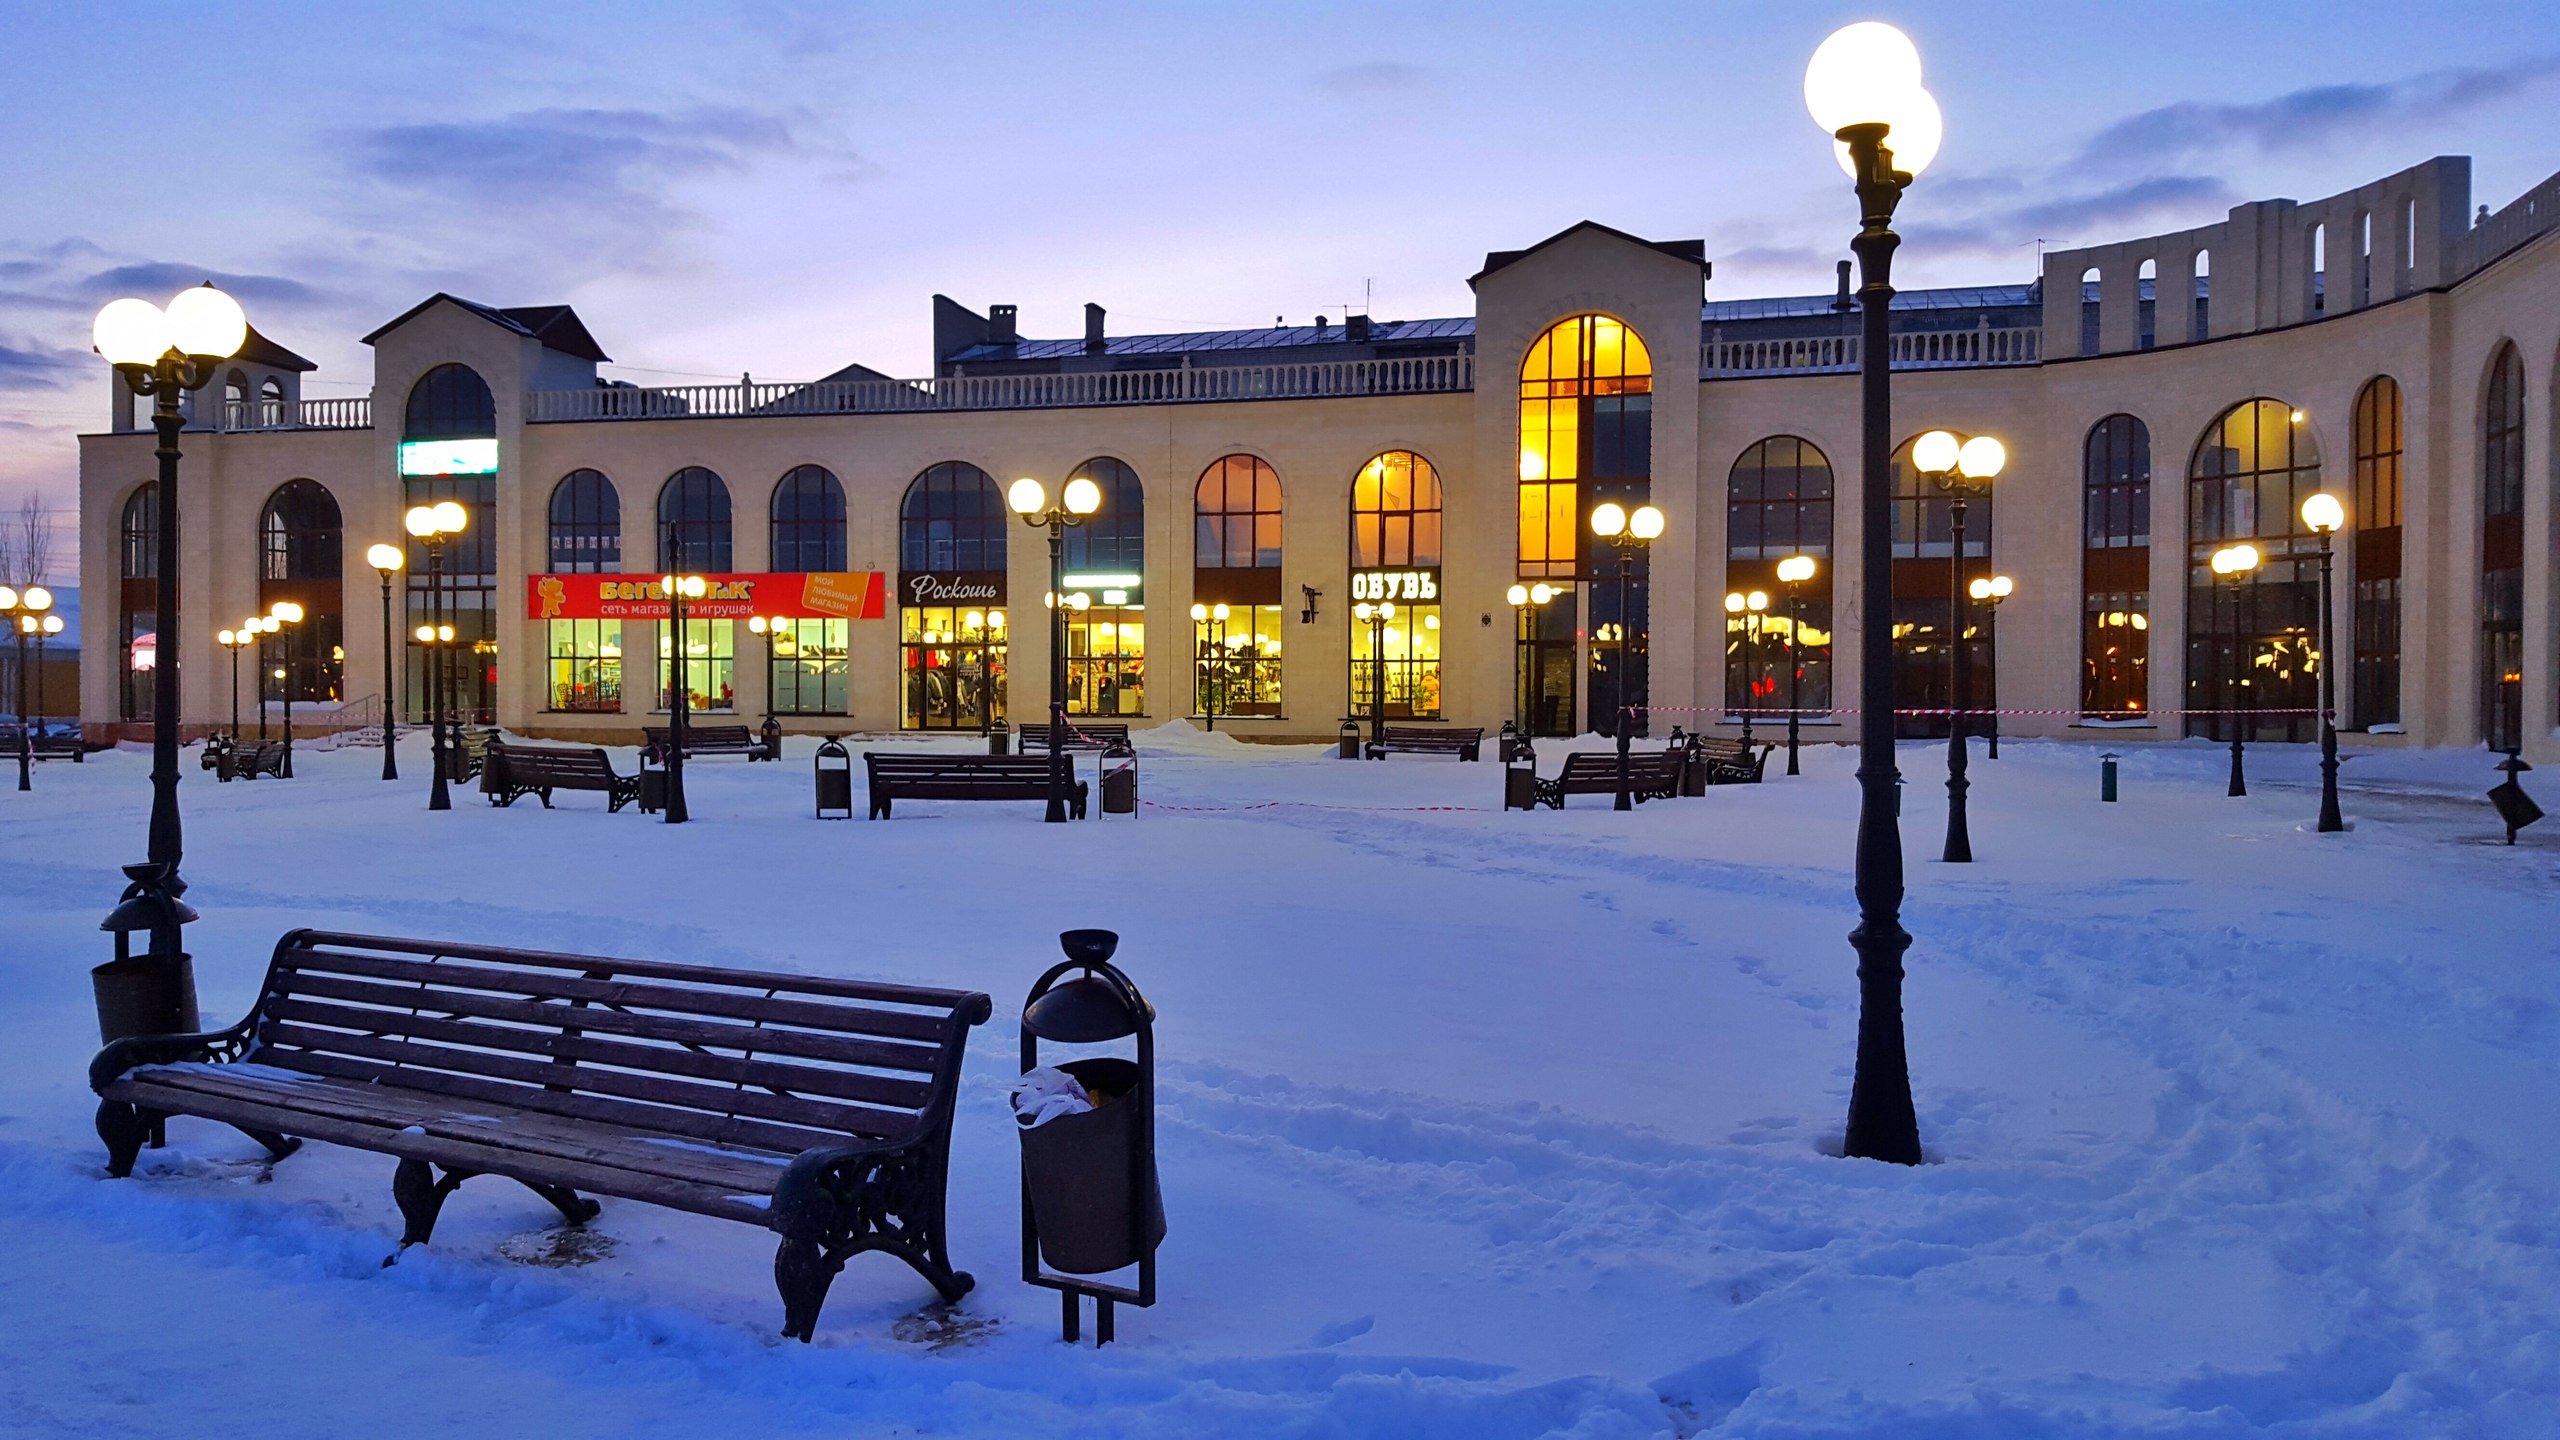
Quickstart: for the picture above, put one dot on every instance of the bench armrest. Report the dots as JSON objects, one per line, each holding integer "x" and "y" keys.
{"x": 135, "y": 1051}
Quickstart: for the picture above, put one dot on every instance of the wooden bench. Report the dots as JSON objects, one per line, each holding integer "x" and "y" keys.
{"x": 1081, "y": 735}
{"x": 961, "y": 776}
{"x": 515, "y": 771}
{"x": 1730, "y": 762}
{"x": 819, "y": 1109}
{"x": 258, "y": 757}
{"x": 1651, "y": 775}
{"x": 701, "y": 740}
{"x": 53, "y": 747}
{"x": 1414, "y": 740}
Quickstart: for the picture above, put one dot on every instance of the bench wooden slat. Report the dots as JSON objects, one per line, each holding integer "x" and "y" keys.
{"x": 731, "y": 1005}
{"x": 695, "y": 1064}
{"x": 501, "y": 1126}
{"x": 594, "y": 1080}
{"x": 335, "y": 942}
{"x": 807, "y": 1045}
{"x": 654, "y": 1189}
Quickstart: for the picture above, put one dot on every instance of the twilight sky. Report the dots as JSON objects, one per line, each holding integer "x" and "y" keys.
{"x": 778, "y": 188}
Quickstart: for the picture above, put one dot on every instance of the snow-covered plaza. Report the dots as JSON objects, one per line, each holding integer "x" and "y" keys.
{"x": 1475, "y": 1124}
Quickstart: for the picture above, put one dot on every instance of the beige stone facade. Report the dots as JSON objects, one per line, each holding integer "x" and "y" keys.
{"x": 2430, "y": 300}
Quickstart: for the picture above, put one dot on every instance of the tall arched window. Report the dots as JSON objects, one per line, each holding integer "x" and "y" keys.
{"x": 2115, "y": 569}
{"x": 452, "y": 402}
{"x": 952, "y": 625}
{"x": 2252, "y": 644}
{"x": 138, "y": 599}
{"x": 301, "y": 545}
{"x": 808, "y": 522}
{"x": 2092, "y": 297}
{"x": 2204, "y": 294}
{"x": 1395, "y": 560}
{"x": 235, "y": 401}
{"x": 1923, "y": 610}
{"x": 271, "y": 403}
{"x": 2147, "y": 285}
{"x": 1586, "y": 436}
{"x": 1106, "y": 559}
{"x": 693, "y": 522}
{"x": 2502, "y": 552}
{"x": 1777, "y": 504}
{"x": 1236, "y": 563}
{"x": 694, "y": 538}
{"x": 2374, "y": 698}
{"x": 584, "y": 657}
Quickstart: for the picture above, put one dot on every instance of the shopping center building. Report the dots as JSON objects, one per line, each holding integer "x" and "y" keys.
{"x": 1290, "y": 485}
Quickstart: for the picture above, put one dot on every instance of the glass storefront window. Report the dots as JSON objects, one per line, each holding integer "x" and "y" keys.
{"x": 1238, "y": 662}
{"x": 808, "y": 663}
{"x": 952, "y": 667}
{"x": 1107, "y": 661}
{"x": 586, "y": 665}
{"x": 1403, "y": 655}
{"x": 710, "y": 665}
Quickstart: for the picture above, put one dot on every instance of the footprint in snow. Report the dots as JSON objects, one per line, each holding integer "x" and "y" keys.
{"x": 560, "y": 1247}
{"x": 943, "y": 1327}
{"x": 1341, "y": 1330}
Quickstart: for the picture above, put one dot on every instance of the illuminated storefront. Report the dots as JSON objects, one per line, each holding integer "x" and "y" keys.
{"x": 951, "y": 598}
{"x": 1395, "y": 562}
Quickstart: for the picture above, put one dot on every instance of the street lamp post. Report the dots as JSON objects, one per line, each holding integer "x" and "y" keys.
{"x": 280, "y": 615}
{"x": 1626, "y": 533}
{"x": 236, "y": 641}
{"x": 436, "y": 525}
{"x": 770, "y": 627}
{"x": 28, "y": 607}
{"x": 2235, "y": 563}
{"x": 1793, "y": 572}
{"x": 1376, "y": 618}
{"x": 1962, "y": 469}
{"x": 1030, "y": 500}
{"x": 46, "y": 628}
{"x": 1526, "y": 601}
{"x": 1863, "y": 87}
{"x": 1988, "y": 591}
{"x": 160, "y": 353}
{"x": 1747, "y": 609}
{"x": 386, "y": 561}
{"x": 1211, "y": 621}
{"x": 678, "y": 589}
{"x": 2326, "y": 515}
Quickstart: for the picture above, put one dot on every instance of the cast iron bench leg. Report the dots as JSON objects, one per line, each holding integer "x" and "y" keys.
{"x": 420, "y": 1195}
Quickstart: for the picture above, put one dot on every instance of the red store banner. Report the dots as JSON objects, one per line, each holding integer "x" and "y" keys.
{"x": 819, "y": 595}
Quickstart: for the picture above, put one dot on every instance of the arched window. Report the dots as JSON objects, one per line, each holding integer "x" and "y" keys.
{"x": 1924, "y": 584}
{"x": 2115, "y": 569}
{"x": 808, "y": 522}
{"x": 1778, "y": 503}
{"x": 1586, "y": 436}
{"x": 271, "y": 403}
{"x": 138, "y": 599}
{"x": 1395, "y": 560}
{"x": 2252, "y": 643}
{"x": 2502, "y": 552}
{"x": 2364, "y": 258}
{"x": 2319, "y": 269}
{"x": 300, "y": 534}
{"x": 1236, "y": 563}
{"x": 2092, "y": 292}
{"x": 584, "y": 657}
{"x": 301, "y": 544}
{"x": 235, "y": 401}
{"x": 1106, "y": 559}
{"x": 2147, "y": 282}
{"x": 586, "y": 525}
{"x": 951, "y": 555}
{"x": 2374, "y": 698}
{"x": 2204, "y": 294}
{"x": 693, "y": 522}
{"x": 450, "y": 402}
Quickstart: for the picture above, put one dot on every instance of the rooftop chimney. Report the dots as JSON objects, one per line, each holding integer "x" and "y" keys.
{"x": 1840, "y": 301}
{"x": 1093, "y": 341}
{"x": 1001, "y": 327}
{"x": 1355, "y": 328}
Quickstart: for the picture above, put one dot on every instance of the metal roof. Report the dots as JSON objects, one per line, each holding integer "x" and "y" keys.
{"x": 1789, "y": 307}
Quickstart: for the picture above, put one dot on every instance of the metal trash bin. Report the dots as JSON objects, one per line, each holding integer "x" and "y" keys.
{"x": 999, "y": 740}
{"x": 1693, "y": 766}
{"x": 1091, "y": 1201}
{"x": 153, "y": 993}
{"x": 653, "y": 788}
{"x": 1350, "y": 745}
{"x": 1119, "y": 785}
{"x": 834, "y": 766}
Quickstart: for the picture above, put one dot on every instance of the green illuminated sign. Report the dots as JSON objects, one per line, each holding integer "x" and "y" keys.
{"x": 449, "y": 457}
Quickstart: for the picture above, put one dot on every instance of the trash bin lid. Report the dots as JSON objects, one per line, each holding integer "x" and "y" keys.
{"x": 1083, "y": 1011}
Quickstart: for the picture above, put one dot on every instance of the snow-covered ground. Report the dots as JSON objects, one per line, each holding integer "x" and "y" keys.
{"x": 1477, "y": 1124}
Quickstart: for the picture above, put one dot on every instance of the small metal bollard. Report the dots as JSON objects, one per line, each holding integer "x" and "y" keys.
{"x": 834, "y": 766}
{"x": 2107, "y": 777}
{"x": 2515, "y": 808}
{"x": 1091, "y": 1202}
{"x": 1350, "y": 746}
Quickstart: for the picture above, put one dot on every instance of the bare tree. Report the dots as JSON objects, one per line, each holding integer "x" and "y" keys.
{"x": 31, "y": 542}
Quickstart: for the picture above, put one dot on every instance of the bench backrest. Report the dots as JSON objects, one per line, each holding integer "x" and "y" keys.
{"x": 1450, "y": 736}
{"x": 960, "y": 767}
{"x": 736, "y": 1057}
{"x": 536, "y": 760}
{"x": 1603, "y": 764}
{"x": 701, "y": 734}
